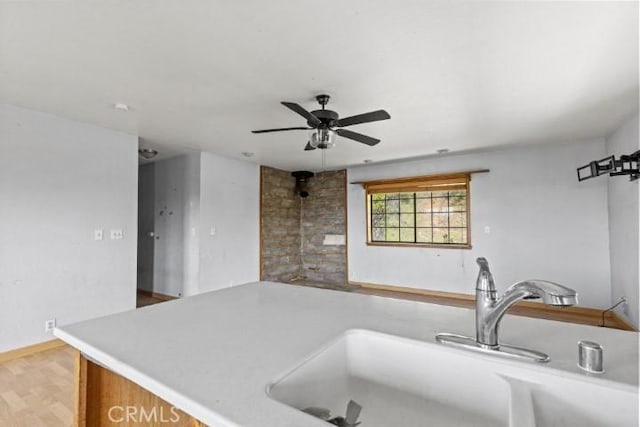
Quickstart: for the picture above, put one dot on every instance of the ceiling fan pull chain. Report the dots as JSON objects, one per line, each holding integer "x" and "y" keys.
{"x": 324, "y": 154}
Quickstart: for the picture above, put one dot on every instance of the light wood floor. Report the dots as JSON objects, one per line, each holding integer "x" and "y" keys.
{"x": 37, "y": 390}
{"x": 145, "y": 300}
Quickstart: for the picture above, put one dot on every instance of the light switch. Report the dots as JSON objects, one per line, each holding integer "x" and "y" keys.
{"x": 98, "y": 235}
{"x": 212, "y": 231}
{"x": 116, "y": 234}
{"x": 487, "y": 229}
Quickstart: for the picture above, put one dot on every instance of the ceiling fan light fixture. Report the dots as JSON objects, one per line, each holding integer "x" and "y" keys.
{"x": 322, "y": 138}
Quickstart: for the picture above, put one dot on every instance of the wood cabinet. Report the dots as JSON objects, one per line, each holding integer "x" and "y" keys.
{"x": 104, "y": 398}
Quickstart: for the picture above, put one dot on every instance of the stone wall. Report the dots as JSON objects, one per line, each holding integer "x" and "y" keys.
{"x": 279, "y": 225}
{"x": 294, "y": 228}
{"x": 324, "y": 212}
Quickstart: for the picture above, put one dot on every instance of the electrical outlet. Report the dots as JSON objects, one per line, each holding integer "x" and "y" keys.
{"x": 49, "y": 325}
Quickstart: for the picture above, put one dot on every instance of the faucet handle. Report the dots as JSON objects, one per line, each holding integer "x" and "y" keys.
{"x": 485, "y": 278}
{"x": 483, "y": 263}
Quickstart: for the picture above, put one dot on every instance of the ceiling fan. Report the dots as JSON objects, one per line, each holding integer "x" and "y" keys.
{"x": 325, "y": 124}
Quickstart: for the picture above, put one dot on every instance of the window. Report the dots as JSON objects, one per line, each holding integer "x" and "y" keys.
{"x": 421, "y": 211}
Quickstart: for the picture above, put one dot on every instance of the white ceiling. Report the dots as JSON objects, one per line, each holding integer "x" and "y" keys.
{"x": 203, "y": 74}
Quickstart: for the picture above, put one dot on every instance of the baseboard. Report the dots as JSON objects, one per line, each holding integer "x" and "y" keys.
{"x": 156, "y": 295}
{"x": 620, "y": 321}
{"x": 415, "y": 291}
{"x": 575, "y": 314}
{"x": 31, "y": 349}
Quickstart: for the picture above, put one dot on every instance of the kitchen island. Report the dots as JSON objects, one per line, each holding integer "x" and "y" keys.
{"x": 208, "y": 359}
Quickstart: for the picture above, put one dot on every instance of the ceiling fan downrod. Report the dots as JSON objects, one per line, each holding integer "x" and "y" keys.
{"x": 323, "y": 100}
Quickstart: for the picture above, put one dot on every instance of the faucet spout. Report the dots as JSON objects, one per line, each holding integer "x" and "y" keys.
{"x": 550, "y": 293}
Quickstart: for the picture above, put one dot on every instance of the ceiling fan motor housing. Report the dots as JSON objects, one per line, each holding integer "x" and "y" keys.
{"x": 327, "y": 117}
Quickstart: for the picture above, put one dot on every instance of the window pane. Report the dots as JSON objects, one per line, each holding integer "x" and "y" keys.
{"x": 424, "y": 235}
{"x": 377, "y": 206}
{"x": 440, "y": 204}
{"x": 393, "y": 220}
{"x": 423, "y": 194}
{"x": 377, "y": 196}
{"x": 423, "y": 205}
{"x": 377, "y": 234}
{"x": 393, "y": 205}
{"x": 406, "y": 220}
{"x": 377, "y": 221}
{"x": 406, "y": 196}
{"x": 393, "y": 234}
{"x": 440, "y": 235}
{"x": 423, "y": 220}
{"x": 458, "y": 203}
{"x": 406, "y": 205}
{"x": 392, "y": 196}
{"x": 458, "y": 236}
{"x": 406, "y": 234}
{"x": 458, "y": 219}
{"x": 440, "y": 220}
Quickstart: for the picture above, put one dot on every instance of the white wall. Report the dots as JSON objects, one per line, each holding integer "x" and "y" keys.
{"x": 59, "y": 181}
{"x": 191, "y": 225}
{"x": 229, "y": 202}
{"x": 543, "y": 224}
{"x": 169, "y": 199}
{"x": 188, "y": 196}
{"x": 623, "y": 222}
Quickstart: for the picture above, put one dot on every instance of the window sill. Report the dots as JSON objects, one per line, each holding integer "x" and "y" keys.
{"x": 418, "y": 245}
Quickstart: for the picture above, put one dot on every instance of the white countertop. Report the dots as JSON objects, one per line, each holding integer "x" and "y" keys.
{"x": 212, "y": 355}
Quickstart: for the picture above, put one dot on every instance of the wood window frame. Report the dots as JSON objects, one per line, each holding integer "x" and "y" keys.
{"x": 415, "y": 184}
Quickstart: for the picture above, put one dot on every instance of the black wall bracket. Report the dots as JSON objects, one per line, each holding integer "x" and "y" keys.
{"x": 625, "y": 165}
{"x": 302, "y": 177}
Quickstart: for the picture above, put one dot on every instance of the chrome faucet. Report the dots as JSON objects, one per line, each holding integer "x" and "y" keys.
{"x": 490, "y": 309}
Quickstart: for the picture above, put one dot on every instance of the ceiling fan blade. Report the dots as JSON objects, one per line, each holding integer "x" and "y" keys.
{"x": 309, "y": 147}
{"x": 373, "y": 116}
{"x": 277, "y": 130}
{"x": 304, "y": 113}
{"x": 357, "y": 137}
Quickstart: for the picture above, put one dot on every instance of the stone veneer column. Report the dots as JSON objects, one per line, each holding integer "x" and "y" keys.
{"x": 279, "y": 226}
{"x": 293, "y": 229}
